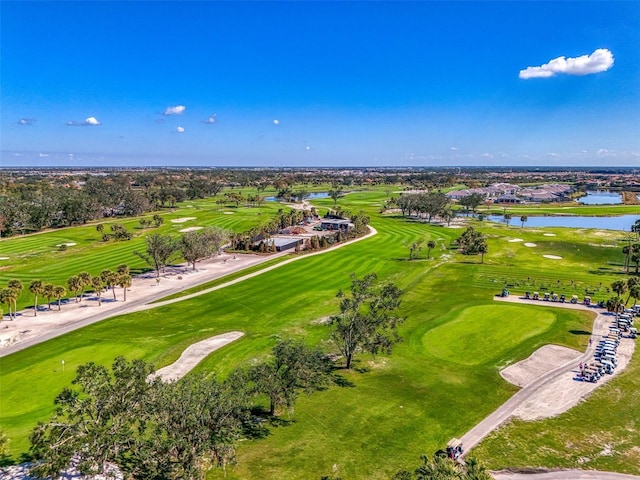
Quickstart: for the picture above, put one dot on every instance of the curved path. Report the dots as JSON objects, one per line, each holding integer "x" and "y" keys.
{"x": 507, "y": 409}
{"x": 87, "y": 316}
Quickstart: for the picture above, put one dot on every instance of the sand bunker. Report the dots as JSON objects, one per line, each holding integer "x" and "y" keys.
{"x": 529, "y": 244}
{"x": 191, "y": 229}
{"x": 553, "y": 257}
{"x": 512, "y": 240}
{"x": 194, "y": 354}
{"x": 4, "y": 258}
{"x": 541, "y": 361}
{"x": 228, "y": 213}
{"x": 549, "y": 234}
{"x": 68, "y": 244}
{"x": 182, "y": 220}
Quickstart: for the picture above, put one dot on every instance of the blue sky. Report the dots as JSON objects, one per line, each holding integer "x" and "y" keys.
{"x": 320, "y": 83}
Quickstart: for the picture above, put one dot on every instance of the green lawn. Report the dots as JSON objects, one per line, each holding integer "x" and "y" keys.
{"x": 440, "y": 381}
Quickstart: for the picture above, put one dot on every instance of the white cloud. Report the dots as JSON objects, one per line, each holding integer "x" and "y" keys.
{"x": 453, "y": 149}
{"x": 26, "y": 121}
{"x": 307, "y": 148}
{"x": 43, "y": 155}
{"x": 87, "y": 122}
{"x": 180, "y": 130}
{"x": 600, "y": 60}
{"x": 211, "y": 119}
{"x": 276, "y": 122}
{"x": 177, "y": 110}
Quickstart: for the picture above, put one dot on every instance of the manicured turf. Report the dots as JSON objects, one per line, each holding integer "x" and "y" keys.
{"x": 436, "y": 385}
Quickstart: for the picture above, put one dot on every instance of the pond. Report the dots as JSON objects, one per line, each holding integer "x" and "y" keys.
{"x": 600, "y": 197}
{"x": 311, "y": 196}
{"x": 620, "y": 222}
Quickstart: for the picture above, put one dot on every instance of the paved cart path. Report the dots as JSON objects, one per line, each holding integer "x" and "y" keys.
{"x": 510, "y": 407}
{"x": 26, "y": 330}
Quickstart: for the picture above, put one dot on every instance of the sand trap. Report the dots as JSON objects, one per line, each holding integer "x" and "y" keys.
{"x": 228, "y": 213}
{"x": 194, "y": 354}
{"x": 552, "y": 257}
{"x": 549, "y": 234}
{"x": 4, "y": 258}
{"x": 191, "y": 229}
{"x": 68, "y": 244}
{"x": 512, "y": 240}
{"x": 543, "y": 360}
{"x": 182, "y": 220}
{"x": 529, "y": 244}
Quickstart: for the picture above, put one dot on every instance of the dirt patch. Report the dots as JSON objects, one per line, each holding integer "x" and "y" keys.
{"x": 190, "y": 229}
{"x": 182, "y": 220}
{"x": 553, "y": 257}
{"x": 543, "y": 360}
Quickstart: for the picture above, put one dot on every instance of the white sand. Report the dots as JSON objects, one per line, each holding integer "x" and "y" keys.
{"x": 4, "y": 258}
{"x": 512, "y": 240}
{"x": 529, "y": 244}
{"x": 194, "y": 354}
{"x": 543, "y": 360}
{"x": 182, "y": 220}
{"x": 553, "y": 257}
{"x": 549, "y": 234}
{"x": 191, "y": 229}
{"x": 228, "y": 213}
{"x": 68, "y": 244}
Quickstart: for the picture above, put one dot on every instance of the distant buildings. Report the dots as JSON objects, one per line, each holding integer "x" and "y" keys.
{"x": 506, "y": 193}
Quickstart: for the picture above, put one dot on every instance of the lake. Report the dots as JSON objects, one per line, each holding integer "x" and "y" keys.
{"x": 600, "y": 197}
{"x": 310, "y": 197}
{"x": 620, "y": 222}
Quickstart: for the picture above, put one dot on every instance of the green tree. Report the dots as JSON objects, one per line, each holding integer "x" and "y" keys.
{"x": 619, "y": 287}
{"x": 293, "y": 368}
{"x": 109, "y": 280}
{"x": 58, "y": 292}
{"x": 86, "y": 280}
{"x": 615, "y": 304}
{"x": 97, "y": 422}
{"x": 97, "y": 285}
{"x": 414, "y": 248}
{"x": 471, "y": 202}
{"x": 160, "y": 248}
{"x": 335, "y": 194}
{"x": 47, "y": 292}
{"x": 16, "y": 287}
{"x": 367, "y": 320}
{"x": 507, "y": 218}
{"x": 431, "y": 244}
{"x": 75, "y": 285}
{"x": 124, "y": 282}
{"x": 36, "y": 287}
{"x": 523, "y": 219}
{"x": 8, "y": 296}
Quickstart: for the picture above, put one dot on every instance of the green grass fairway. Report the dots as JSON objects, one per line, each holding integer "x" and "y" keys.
{"x": 438, "y": 383}
{"x": 484, "y": 333}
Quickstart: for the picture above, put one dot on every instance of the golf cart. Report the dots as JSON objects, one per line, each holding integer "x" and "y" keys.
{"x": 454, "y": 448}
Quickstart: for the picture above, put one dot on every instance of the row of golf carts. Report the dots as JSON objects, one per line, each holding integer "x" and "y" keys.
{"x": 554, "y": 297}
{"x": 605, "y": 354}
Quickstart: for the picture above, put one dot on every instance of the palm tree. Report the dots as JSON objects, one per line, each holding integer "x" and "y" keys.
{"x": 59, "y": 291}
{"x": 47, "y": 291}
{"x": 16, "y": 287}
{"x": 8, "y": 296}
{"x": 431, "y": 244}
{"x": 523, "y": 219}
{"x": 631, "y": 283}
{"x": 110, "y": 281}
{"x": 619, "y": 287}
{"x": 37, "y": 288}
{"x": 482, "y": 248}
{"x": 123, "y": 269}
{"x": 634, "y": 292}
{"x": 124, "y": 281}
{"x": 96, "y": 284}
{"x": 74, "y": 285}
{"x": 86, "y": 280}
{"x": 507, "y": 218}
{"x": 614, "y": 304}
